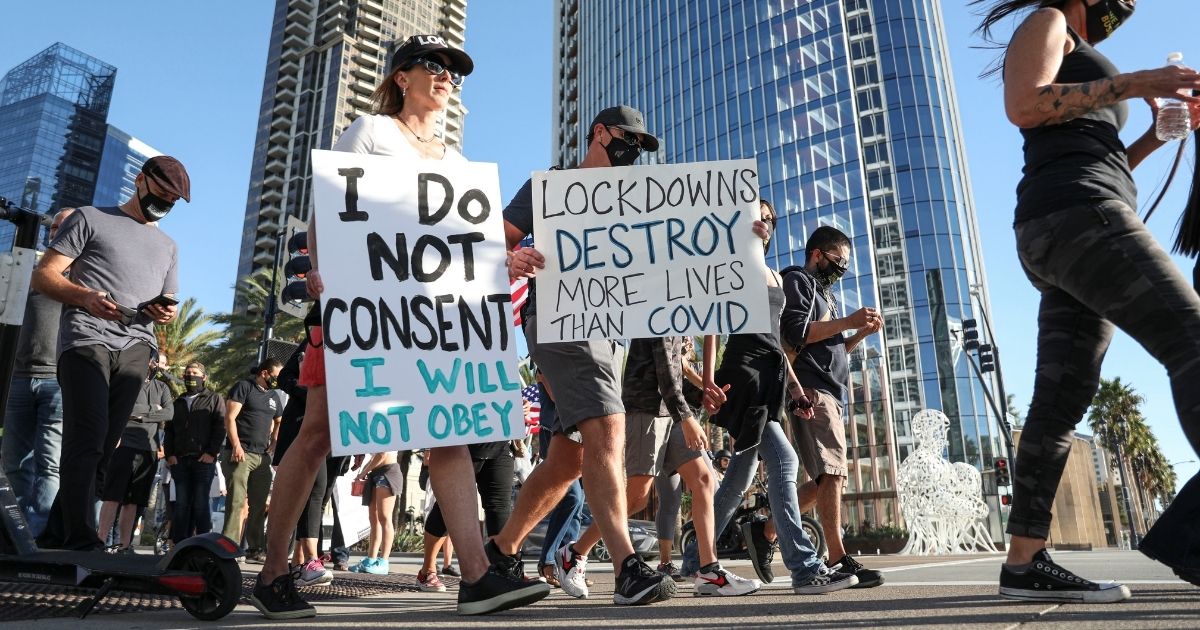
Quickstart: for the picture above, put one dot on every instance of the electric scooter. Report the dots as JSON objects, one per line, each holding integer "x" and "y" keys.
{"x": 202, "y": 571}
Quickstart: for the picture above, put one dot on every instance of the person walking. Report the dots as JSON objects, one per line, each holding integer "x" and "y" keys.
{"x": 1086, "y": 250}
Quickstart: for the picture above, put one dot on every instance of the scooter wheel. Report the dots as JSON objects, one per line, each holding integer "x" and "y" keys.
{"x": 222, "y": 577}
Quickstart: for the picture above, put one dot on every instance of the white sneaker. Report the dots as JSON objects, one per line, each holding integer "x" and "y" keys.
{"x": 718, "y": 581}
{"x": 570, "y": 569}
{"x": 314, "y": 573}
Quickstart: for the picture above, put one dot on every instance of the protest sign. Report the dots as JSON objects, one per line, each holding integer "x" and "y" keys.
{"x": 649, "y": 251}
{"x": 416, "y": 313}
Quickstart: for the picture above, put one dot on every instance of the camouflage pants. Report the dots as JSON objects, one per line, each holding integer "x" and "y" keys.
{"x": 1095, "y": 265}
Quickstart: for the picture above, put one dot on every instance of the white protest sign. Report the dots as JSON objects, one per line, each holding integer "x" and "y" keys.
{"x": 416, "y": 313}
{"x": 649, "y": 251}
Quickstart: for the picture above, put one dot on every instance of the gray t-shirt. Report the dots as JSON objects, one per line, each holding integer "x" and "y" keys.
{"x": 37, "y": 355}
{"x": 134, "y": 262}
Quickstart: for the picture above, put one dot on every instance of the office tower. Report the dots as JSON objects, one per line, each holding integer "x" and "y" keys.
{"x": 849, "y": 108}
{"x": 53, "y": 121}
{"x": 324, "y": 60}
{"x": 119, "y": 167}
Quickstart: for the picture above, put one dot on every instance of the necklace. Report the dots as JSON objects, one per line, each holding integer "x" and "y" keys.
{"x": 410, "y": 130}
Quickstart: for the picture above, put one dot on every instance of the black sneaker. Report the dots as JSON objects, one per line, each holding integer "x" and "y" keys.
{"x": 451, "y": 570}
{"x": 1043, "y": 580}
{"x": 511, "y": 566}
{"x": 825, "y": 581}
{"x": 498, "y": 590}
{"x": 670, "y": 570}
{"x": 280, "y": 599}
{"x": 867, "y": 578}
{"x": 639, "y": 584}
{"x": 762, "y": 551}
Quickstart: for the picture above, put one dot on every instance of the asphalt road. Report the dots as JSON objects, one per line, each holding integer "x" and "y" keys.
{"x": 943, "y": 592}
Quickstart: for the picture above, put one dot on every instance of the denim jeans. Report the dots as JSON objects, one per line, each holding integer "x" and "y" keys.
{"x": 31, "y": 446}
{"x": 565, "y": 522}
{"x": 781, "y": 465}
{"x": 193, "y": 482}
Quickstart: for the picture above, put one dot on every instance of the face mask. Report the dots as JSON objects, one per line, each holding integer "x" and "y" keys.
{"x": 154, "y": 208}
{"x": 272, "y": 383}
{"x": 830, "y": 272}
{"x": 193, "y": 383}
{"x": 621, "y": 153}
{"x": 1105, "y": 16}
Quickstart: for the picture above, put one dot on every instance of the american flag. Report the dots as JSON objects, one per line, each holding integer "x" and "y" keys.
{"x": 520, "y": 287}
{"x": 531, "y": 394}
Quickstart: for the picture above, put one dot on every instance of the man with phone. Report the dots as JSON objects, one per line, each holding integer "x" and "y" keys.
{"x": 116, "y": 255}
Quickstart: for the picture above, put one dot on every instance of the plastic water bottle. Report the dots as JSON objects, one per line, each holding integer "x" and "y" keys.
{"x": 1174, "y": 122}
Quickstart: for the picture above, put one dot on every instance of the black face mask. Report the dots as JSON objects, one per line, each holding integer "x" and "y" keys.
{"x": 830, "y": 272}
{"x": 272, "y": 383}
{"x": 621, "y": 153}
{"x": 193, "y": 383}
{"x": 154, "y": 208}
{"x": 1104, "y": 17}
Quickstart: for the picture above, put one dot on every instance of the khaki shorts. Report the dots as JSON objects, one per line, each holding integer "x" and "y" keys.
{"x": 654, "y": 446}
{"x": 821, "y": 442}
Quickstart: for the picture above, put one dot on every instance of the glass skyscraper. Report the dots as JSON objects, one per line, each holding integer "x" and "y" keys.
{"x": 119, "y": 167}
{"x": 53, "y": 121}
{"x": 849, "y": 108}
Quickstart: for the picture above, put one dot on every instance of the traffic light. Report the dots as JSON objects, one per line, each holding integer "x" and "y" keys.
{"x": 294, "y": 292}
{"x": 970, "y": 334}
{"x": 1002, "y": 476}
{"x": 987, "y": 358}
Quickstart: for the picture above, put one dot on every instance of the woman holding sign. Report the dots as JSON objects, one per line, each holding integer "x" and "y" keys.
{"x": 425, "y": 71}
{"x": 746, "y": 396}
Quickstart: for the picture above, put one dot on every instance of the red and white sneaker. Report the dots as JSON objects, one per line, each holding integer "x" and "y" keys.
{"x": 429, "y": 582}
{"x": 314, "y": 573}
{"x": 713, "y": 580}
{"x": 570, "y": 569}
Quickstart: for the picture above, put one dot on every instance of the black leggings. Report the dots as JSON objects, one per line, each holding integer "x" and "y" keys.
{"x": 309, "y": 525}
{"x": 494, "y": 478}
{"x": 1096, "y": 265}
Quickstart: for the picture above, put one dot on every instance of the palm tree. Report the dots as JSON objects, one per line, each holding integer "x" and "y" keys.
{"x": 235, "y": 354}
{"x": 1113, "y": 409}
{"x": 1014, "y": 412}
{"x": 187, "y": 336}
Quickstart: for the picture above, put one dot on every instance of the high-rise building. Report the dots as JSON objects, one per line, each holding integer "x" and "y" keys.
{"x": 849, "y": 108}
{"x": 325, "y": 59}
{"x": 119, "y": 167}
{"x": 53, "y": 121}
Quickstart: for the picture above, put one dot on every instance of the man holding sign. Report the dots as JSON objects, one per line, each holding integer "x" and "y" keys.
{"x": 584, "y": 379}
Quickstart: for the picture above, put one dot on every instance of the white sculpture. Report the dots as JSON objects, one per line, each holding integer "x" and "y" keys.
{"x": 941, "y": 502}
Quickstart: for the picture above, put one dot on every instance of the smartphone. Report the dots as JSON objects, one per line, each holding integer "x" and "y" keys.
{"x": 163, "y": 300}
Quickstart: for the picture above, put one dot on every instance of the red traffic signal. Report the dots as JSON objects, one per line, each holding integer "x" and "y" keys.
{"x": 1003, "y": 477}
{"x": 1005, "y": 499}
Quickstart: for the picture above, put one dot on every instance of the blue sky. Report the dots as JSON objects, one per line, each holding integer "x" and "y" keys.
{"x": 190, "y": 77}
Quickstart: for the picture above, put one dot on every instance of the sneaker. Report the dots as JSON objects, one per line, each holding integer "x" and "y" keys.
{"x": 361, "y": 565}
{"x": 867, "y": 578}
{"x": 546, "y": 574}
{"x": 639, "y": 584}
{"x": 341, "y": 566}
{"x": 762, "y": 551}
{"x": 504, "y": 563}
{"x": 713, "y": 580}
{"x": 451, "y": 571}
{"x": 257, "y": 556}
{"x": 825, "y": 581}
{"x": 670, "y": 570}
{"x": 429, "y": 582}
{"x": 1043, "y": 580}
{"x": 498, "y": 590}
{"x": 569, "y": 568}
{"x": 313, "y": 573}
{"x": 280, "y": 599}
{"x": 377, "y": 566}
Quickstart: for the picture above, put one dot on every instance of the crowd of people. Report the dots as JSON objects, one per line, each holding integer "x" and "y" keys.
{"x": 92, "y": 421}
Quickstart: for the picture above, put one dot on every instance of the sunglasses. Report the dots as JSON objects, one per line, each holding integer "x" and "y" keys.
{"x": 436, "y": 68}
{"x": 631, "y": 139}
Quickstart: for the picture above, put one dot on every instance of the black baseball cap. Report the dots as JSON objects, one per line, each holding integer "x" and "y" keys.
{"x": 628, "y": 119}
{"x": 428, "y": 45}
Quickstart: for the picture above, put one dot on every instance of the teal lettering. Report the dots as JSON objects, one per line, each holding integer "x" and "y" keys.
{"x": 438, "y": 378}
{"x": 504, "y": 410}
{"x": 369, "y": 389}
{"x": 478, "y": 417}
{"x": 401, "y": 414}
{"x": 437, "y": 412}
{"x": 348, "y": 425}
{"x": 462, "y": 421}
{"x": 484, "y": 385}
{"x": 381, "y": 431}
{"x": 506, "y": 383}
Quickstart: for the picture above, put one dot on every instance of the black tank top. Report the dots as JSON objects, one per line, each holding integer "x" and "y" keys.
{"x": 1082, "y": 159}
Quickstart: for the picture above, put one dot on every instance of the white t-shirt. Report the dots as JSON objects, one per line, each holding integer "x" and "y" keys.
{"x": 379, "y": 134}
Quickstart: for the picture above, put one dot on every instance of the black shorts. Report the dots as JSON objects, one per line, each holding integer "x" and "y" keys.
{"x": 130, "y": 477}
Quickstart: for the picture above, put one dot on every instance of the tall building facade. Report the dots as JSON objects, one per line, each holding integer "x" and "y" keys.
{"x": 325, "y": 59}
{"x": 849, "y": 108}
{"x": 120, "y": 165}
{"x": 53, "y": 123}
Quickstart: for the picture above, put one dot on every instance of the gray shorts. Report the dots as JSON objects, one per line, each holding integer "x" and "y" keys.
{"x": 584, "y": 378}
{"x": 654, "y": 446}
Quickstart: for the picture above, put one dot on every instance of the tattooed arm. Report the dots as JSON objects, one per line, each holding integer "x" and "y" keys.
{"x": 1035, "y": 54}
